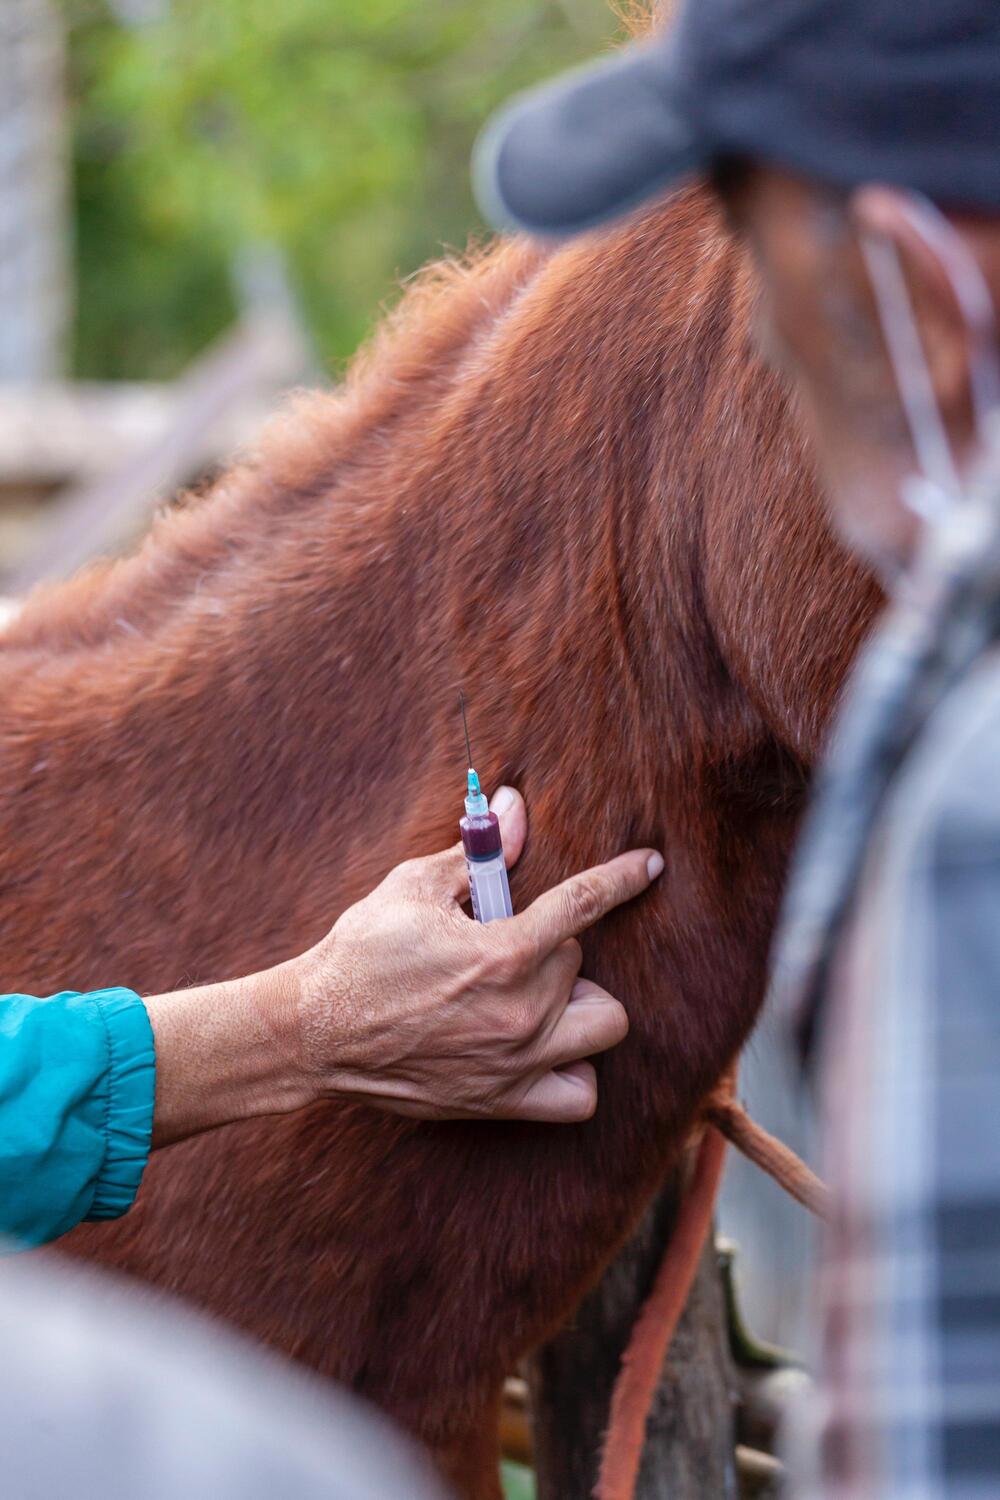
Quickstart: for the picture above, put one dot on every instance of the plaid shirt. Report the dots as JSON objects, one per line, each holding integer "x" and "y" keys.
{"x": 890, "y": 967}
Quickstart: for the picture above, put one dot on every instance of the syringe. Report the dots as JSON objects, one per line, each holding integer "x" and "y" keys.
{"x": 483, "y": 849}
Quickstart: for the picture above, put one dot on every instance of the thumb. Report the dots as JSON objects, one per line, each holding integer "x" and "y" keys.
{"x": 510, "y": 809}
{"x": 444, "y": 876}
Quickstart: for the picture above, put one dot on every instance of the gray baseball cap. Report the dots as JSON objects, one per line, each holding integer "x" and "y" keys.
{"x": 847, "y": 91}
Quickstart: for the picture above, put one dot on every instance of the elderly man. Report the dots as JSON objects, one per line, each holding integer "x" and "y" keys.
{"x": 856, "y": 147}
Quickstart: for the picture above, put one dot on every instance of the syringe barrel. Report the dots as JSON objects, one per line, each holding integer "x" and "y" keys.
{"x": 487, "y": 869}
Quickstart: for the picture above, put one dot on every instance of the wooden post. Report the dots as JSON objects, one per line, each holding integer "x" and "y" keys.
{"x": 262, "y": 355}
{"x": 35, "y": 277}
{"x": 690, "y": 1439}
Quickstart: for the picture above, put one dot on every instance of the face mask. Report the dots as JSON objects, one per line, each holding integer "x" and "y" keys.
{"x": 939, "y": 488}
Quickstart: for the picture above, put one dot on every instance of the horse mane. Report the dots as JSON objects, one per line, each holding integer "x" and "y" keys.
{"x": 640, "y": 17}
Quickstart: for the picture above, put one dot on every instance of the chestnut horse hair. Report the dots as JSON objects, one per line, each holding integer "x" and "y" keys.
{"x": 558, "y": 473}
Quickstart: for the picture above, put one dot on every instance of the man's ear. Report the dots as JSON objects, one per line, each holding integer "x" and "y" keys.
{"x": 928, "y": 268}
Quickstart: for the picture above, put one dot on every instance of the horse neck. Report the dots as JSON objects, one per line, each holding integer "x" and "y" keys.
{"x": 525, "y": 392}
{"x": 507, "y": 493}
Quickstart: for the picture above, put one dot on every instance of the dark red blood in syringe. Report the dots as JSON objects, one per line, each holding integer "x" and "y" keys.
{"x": 481, "y": 835}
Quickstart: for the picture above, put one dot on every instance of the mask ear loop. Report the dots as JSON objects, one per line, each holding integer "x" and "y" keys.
{"x": 933, "y": 491}
{"x": 938, "y": 485}
{"x": 975, "y": 302}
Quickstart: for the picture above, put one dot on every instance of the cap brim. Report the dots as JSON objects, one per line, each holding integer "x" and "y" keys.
{"x": 592, "y": 146}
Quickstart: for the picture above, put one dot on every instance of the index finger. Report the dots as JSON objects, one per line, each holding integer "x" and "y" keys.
{"x": 567, "y": 909}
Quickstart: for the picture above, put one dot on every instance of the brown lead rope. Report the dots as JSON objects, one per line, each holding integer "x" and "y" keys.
{"x": 642, "y": 1361}
{"x": 768, "y": 1153}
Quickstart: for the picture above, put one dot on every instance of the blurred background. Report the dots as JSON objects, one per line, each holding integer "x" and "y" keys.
{"x": 203, "y": 201}
{"x": 173, "y": 136}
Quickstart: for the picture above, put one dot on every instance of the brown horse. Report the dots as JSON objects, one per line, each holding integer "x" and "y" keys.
{"x": 560, "y": 476}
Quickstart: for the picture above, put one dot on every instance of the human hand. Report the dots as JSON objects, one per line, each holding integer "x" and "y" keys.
{"x": 410, "y": 1005}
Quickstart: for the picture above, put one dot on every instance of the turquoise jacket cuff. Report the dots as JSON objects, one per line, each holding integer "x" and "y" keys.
{"x": 77, "y": 1082}
{"x": 128, "y": 1116}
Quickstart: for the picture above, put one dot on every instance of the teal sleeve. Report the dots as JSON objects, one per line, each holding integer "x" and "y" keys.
{"x": 77, "y": 1078}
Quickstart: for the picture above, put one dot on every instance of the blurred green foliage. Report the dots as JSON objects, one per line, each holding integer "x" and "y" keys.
{"x": 518, "y": 1482}
{"x": 337, "y": 130}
